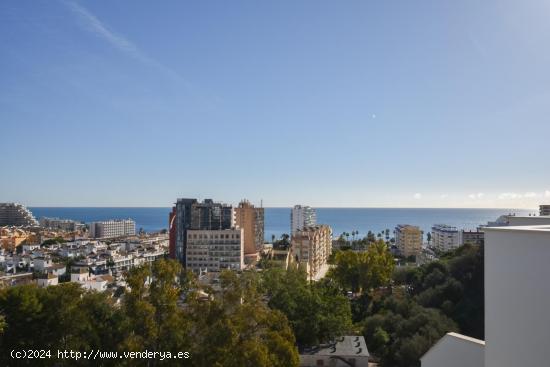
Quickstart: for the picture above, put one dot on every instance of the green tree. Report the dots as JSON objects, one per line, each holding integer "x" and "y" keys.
{"x": 238, "y": 329}
{"x": 401, "y": 331}
{"x": 358, "y": 271}
{"x": 317, "y": 312}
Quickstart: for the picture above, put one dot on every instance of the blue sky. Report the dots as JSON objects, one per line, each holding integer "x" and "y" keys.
{"x": 326, "y": 103}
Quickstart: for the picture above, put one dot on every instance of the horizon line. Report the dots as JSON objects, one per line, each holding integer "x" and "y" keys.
{"x": 288, "y": 207}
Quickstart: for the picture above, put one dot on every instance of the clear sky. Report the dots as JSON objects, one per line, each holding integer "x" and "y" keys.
{"x": 327, "y": 103}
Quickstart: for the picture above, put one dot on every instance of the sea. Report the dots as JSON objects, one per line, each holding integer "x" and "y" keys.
{"x": 277, "y": 220}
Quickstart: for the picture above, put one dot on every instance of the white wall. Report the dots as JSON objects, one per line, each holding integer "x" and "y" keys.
{"x": 528, "y": 221}
{"x": 517, "y": 296}
{"x": 453, "y": 350}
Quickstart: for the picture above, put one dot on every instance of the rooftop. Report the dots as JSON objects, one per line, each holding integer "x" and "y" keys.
{"x": 467, "y": 338}
{"x": 342, "y": 346}
{"x": 539, "y": 228}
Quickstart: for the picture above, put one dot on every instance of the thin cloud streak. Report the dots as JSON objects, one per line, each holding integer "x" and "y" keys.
{"x": 94, "y": 25}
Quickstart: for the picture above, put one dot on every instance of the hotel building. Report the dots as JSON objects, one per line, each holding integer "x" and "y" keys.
{"x": 302, "y": 216}
{"x": 544, "y": 209}
{"x": 408, "y": 240}
{"x": 113, "y": 228}
{"x": 13, "y": 214}
{"x": 251, "y": 220}
{"x": 312, "y": 246}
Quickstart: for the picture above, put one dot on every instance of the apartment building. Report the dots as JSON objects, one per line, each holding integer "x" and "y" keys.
{"x": 473, "y": 237}
{"x": 61, "y": 224}
{"x": 14, "y": 214}
{"x": 445, "y": 238}
{"x": 544, "y": 209}
{"x": 408, "y": 240}
{"x": 302, "y": 216}
{"x": 312, "y": 246}
{"x": 251, "y": 220}
{"x": 190, "y": 214}
{"x": 113, "y": 228}
{"x": 214, "y": 250}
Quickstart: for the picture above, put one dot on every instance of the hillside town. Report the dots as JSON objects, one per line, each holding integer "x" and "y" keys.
{"x": 208, "y": 238}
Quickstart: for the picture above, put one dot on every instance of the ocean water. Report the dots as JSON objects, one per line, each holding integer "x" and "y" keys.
{"x": 277, "y": 220}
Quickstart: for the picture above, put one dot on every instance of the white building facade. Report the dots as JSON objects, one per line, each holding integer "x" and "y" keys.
{"x": 445, "y": 238}
{"x": 517, "y": 296}
{"x": 455, "y": 350}
{"x": 113, "y": 228}
{"x": 302, "y": 216}
{"x": 215, "y": 250}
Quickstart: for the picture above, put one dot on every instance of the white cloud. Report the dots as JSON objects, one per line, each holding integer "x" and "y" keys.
{"x": 509, "y": 195}
{"x": 417, "y": 196}
{"x": 547, "y": 193}
{"x": 514, "y": 195}
{"x": 444, "y": 196}
{"x": 479, "y": 195}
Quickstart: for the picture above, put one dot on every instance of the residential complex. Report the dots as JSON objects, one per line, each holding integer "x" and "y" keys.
{"x": 13, "y": 214}
{"x": 445, "y": 238}
{"x": 251, "y": 220}
{"x": 190, "y": 214}
{"x": 215, "y": 250}
{"x": 302, "y": 216}
{"x": 312, "y": 246}
{"x": 113, "y": 228}
{"x": 544, "y": 209}
{"x": 408, "y": 240}
{"x": 61, "y": 224}
{"x": 95, "y": 258}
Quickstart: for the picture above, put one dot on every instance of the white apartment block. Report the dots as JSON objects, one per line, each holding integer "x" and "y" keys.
{"x": 517, "y": 296}
{"x": 517, "y": 300}
{"x": 113, "y": 228}
{"x": 215, "y": 250}
{"x": 445, "y": 238}
{"x": 408, "y": 240}
{"x": 302, "y": 216}
{"x": 312, "y": 247}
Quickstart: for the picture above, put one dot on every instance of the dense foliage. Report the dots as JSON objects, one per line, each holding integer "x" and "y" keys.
{"x": 453, "y": 285}
{"x": 402, "y": 322}
{"x": 317, "y": 312}
{"x": 235, "y": 328}
{"x": 357, "y": 271}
